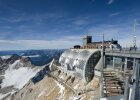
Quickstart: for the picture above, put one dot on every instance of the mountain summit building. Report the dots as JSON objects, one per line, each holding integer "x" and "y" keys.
{"x": 88, "y": 44}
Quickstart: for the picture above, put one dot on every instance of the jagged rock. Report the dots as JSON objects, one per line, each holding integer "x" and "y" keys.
{"x": 1, "y": 61}
{"x": 55, "y": 87}
{"x": 13, "y": 58}
{"x": 6, "y": 89}
{"x": 26, "y": 61}
{"x": 15, "y": 62}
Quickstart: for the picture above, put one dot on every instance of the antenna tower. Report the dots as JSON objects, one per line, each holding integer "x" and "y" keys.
{"x": 134, "y": 34}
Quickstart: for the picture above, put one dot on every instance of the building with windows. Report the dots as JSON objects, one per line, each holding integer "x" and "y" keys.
{"x": 88, "y": 44}
{"x": 83, "y": 63}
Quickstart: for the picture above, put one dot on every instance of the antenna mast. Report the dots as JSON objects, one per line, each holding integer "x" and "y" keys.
{"x": 134, "y": 35}
{"x": 134, "y": 46}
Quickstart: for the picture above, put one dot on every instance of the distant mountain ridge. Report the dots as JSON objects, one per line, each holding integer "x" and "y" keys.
{"x": 37, "y": 57}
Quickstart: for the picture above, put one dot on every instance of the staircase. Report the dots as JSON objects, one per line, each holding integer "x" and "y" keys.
{"x": 112, "y": 85}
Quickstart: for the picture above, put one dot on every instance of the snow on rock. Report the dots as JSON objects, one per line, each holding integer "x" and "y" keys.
{"x": 32, "y": 56}
{"x": 15, "y": 64}
{"x": 62, "y": 77}
{"x": 51, "y": 65}
{"x": 62, "y": 88}
{"x": 76, "y": 86}
{"x": 17, "y": 77}
{"x": 42, "y": 93}
{"x": 103, "y": 99}
{"x": 2, "y": 96}
{"x": 76, "y": 98}
{"x": 6, "y": 57}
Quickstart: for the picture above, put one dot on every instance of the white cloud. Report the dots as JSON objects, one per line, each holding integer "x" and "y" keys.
{"x": 80, "y": 22}
{"x": 114, "y": 14}
{"x": 35, "y": 18}
{"x": 110, "y": 2}
{"x": 62, "y": 43}
{"x": 123, "y": 33}
{"x": 127, "y": 42}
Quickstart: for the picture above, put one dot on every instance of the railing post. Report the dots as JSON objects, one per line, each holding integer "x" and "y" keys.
{"x": 125, "y": 66}
{"x": 113, "y": 62}
{"x": 126, "y": 92}
{"x": 134, "y": 68}
{"x": 135, "y": 81}
{"x": 101, "y": 78}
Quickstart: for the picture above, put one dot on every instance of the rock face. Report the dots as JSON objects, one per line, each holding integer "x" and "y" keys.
{"x": 58, "y": 85}
{"x": 14, "y": 73}
{"x": 4, "y": 63}
{"x": 52, "y": 85}
{"x": 12, "y": 59}
{"x": 1, "y": 61}
{"x": 26, "y": 62}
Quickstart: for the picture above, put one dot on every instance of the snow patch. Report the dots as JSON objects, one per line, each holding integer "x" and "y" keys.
{"x": 15, "y": 64}
{"x": 76, "y": 86}
{"x": 32, "y": 56}
{"x": 2, "y": 96}
{"x": 103, "y": 99}
{"x": 51, "y": 63}
{"x": 62, "y": 88}
{"x": 76, "y": 98}
{"x": 62, "y": 77}
{"x": 42, "y": 93}
{"x": 6, "y": 56}
{"x": 17, "y": 77}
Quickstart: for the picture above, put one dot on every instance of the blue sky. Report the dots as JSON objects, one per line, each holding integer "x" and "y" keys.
{"x": 44, "y": 24}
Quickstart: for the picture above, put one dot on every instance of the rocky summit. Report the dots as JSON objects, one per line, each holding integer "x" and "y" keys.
{"x": 15, "y": 72}
{"x": 55, "y": 84}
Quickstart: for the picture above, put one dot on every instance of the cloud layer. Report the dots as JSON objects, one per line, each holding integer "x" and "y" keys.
{"x": 61, "y": 24}
{"x": 65, "y": 42}
{"x": 110, "y": 2}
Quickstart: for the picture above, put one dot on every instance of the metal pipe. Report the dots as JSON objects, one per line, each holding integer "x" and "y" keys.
{"x": 101, "y": 79}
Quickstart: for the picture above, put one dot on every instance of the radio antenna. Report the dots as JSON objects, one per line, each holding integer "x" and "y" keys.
{"x": 134, "y": 35}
